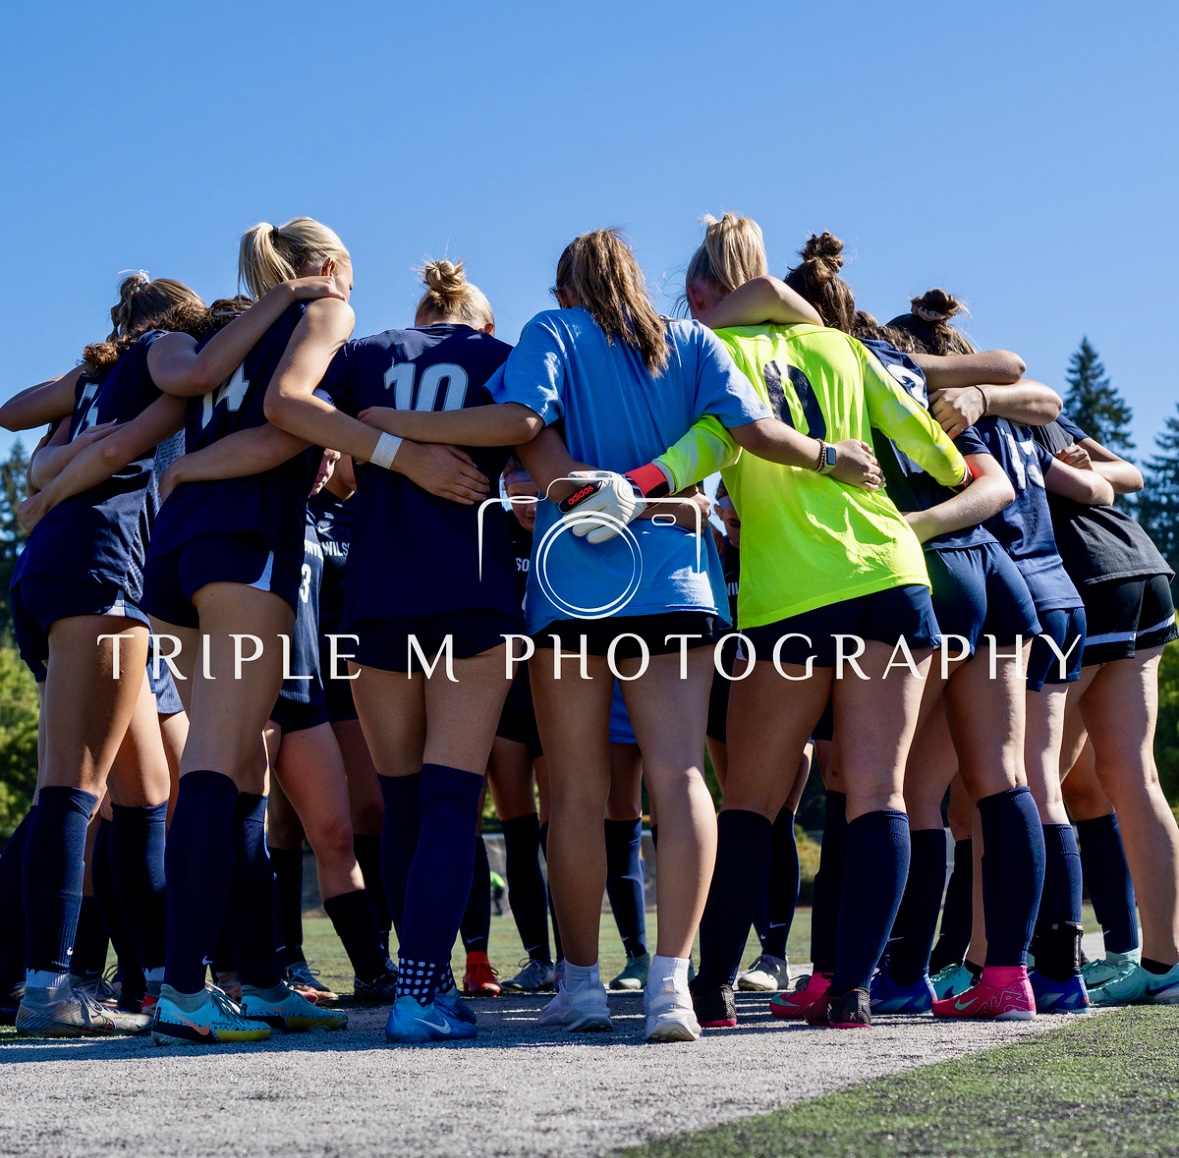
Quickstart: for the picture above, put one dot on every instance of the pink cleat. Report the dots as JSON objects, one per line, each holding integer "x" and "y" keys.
{"x": 1002, "y": 993}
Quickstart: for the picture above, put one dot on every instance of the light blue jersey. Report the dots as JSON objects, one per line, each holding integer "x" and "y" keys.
{"x": 616, "y": 416}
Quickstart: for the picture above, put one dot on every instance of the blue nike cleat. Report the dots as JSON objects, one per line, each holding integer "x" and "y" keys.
{"x": 451, "y": 1000}
{"x": 1069, "y": 996}
{"x": 889, "y": 997}
{"x": 413, "y": 1024}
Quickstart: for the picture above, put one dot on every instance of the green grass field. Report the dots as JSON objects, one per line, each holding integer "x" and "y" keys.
{"x": 1098, "y": 1086}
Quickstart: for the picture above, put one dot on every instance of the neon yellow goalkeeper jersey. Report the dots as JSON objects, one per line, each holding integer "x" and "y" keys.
{"x": 806, "y": 540}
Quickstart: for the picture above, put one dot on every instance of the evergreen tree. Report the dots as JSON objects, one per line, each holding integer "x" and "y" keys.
{"x": 13, "y": 474}
{"x": 1158, "y": 505}
{"x": 1093, "y": 403}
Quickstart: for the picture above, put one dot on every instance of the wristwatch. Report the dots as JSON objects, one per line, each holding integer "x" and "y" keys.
{"x": 828, "y": 457}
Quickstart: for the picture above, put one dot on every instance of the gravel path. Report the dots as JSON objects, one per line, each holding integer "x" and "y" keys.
{"x": 516, "y": 1090}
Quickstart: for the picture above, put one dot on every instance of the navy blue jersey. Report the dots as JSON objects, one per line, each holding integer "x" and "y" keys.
{"x": 522, "y": 550}
{"x": 389, "y": 575}
{"x": 305, "y": 638}
{"x": 1025, "y": 527}
{"x": 1097, "y": 544}
{"x": 97, "y": 533}
{"x": 272, "y": 504}
{"x": 906, "y": 483}
{"x": 731, "y": 562}
{"x": 334, "y": 519}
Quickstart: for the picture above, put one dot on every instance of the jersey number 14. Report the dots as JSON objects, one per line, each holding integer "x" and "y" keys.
{"x": 231, "y": 392}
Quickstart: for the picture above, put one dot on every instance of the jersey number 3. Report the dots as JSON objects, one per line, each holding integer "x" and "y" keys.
{"x": 816, "y": 424}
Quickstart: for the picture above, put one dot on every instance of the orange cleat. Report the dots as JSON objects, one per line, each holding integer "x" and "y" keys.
{"x": 480, "y": 980}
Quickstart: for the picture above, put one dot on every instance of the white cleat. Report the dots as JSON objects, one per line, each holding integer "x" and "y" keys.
{"x": 670, "y": 1015}
{"x": 583, "y": 1011}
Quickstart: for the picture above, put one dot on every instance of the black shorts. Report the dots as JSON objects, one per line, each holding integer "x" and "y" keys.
{"x": 517, "y": 720}
{"x": 293, "y": 716}
{"x": 39, "y": 601}
{"x": 1125, "y": 616}
{"x": 1066, "y": 628}
{"x": 883, "y": 617}
{"x": 718, "y": 708}
{"x": 979, "y": 591}
{"x": 172, "y": 579}
{"x": 634, "y": 633}
{"x": 164, "y": 688}
{"x": 386, "y": 643}
{"x": 337, "y": 691}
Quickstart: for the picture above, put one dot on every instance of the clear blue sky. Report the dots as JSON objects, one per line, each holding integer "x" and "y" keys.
{"x": 1022, "y": 155}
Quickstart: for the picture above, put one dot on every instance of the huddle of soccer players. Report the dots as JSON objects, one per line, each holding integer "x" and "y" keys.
{"x": 933, "y": 590}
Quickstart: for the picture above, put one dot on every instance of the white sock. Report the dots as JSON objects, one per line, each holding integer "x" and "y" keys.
{"x": 668, "y": 971}
{"x": 48, "y": 979}
{"x": 579, "y": 976}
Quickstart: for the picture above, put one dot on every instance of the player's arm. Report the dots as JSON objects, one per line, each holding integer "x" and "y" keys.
{"x": 291, "y": 405}
{"x": 238, "y": 455}
{"x": 950, "y": 371}
{"x": 41, "y": 404}
{"x": 178, "y": 368}
{"x": 50, "y": 459}
{"x": 987, "y": 495}
{"x": 97, "y": 462}
{"x": 1089, "y": 454}
{"x": 1082, "y": 486}
{"x": 762, "y": 301}
{"x": 908, "y": 425}
{"x": 1026, "y": 402}
{"x": 497, "y": 424}
{"x": 547, "y": 460}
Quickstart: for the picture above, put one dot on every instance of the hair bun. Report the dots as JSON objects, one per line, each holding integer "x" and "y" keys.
{"x": 824, "y": 253}
{"x": 444, "y": 277}
{"x": 936, "y": 305}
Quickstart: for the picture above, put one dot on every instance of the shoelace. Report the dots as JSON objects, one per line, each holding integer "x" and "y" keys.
{"x": 94, "y": 1011}
{"x": 225, "y": 1004}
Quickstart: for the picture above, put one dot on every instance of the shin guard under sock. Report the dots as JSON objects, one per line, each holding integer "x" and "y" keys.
{"x": 1107, "y": 877}
{"x": 877, "y": 865}
{"x": 54, "y": 865}
{"x": 624, "y": 883}
{"x": 399, "y": 839}
{"x": 1013, "y": 873}
{"x": 744, "y": 850}
{"x": 526, "y": 891}
{"x": 250, "y": 911}
{"x": 916, "y": 923}
{"x": 958, "y": 912}
{"x": 475, "y": 926}
{"x": 829, "y": 884}
{"x": 354, "y": 917}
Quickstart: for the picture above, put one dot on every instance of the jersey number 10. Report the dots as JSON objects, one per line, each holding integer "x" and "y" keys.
{"x": 400, "y": 376}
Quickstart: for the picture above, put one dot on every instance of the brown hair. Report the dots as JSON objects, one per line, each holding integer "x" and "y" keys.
{"x": 270, "y": 254}
{"x": 601, "y": 272}
{"x": 145, "y": 304}
{"x": 817, "y": 279}
{"x": 928, "y": 324}
{"x": 449, "y": 297}
{"x": 733, "y": 252}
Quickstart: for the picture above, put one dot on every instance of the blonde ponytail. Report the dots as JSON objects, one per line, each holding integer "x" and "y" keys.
{"x": 732, "y": 253}
{"x": 270, "y": 254}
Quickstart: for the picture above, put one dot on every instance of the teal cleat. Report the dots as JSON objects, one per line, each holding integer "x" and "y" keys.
{"x": 1139, "y": 986}
{"x": 1110, "y": 968}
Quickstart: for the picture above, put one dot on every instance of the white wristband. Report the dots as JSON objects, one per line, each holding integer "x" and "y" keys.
{"x": 386, "y": 451}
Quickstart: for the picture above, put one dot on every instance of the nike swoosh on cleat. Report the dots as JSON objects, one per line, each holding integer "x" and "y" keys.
{"x": 205, "y": 1030}
{"x": 960, "y": 1005}
{"x": 438, "y": 1027}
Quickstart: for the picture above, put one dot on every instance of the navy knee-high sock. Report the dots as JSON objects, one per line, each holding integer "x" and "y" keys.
{"x": 1013, "y": 873}
{"x": 12, "y": 906}
{"x": 354, "y": 917}
{"x": 781, "y": 887}
{"x": 288, "y": 877}
{"x": 913, "y": 930}
{"x": 114, "y": 922}
{"x": 475, "y": 926}
{"x": 744, "y": 849}
{"x": 526, "y": 893}
{"x": 54, "y": 866}
{"x": 198, "y": 862}
{"x": 877, "y": 861}
{"x": 1107, "y": 877}
{"x": 829, "y": 884}
{"x": 1058, "y": 924}
{"x": 137, "y": 870}
{"x": 544, "y": 847}
{"x": 367, "y": 847}
{"x": 399, "y": 840}
{"x": 250, "y": 911}
{"x": 958, "y": 913}
{"x": 440, "y": 876}
{"x": 624, "y": 883}
{"x": 91, "y": 941}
